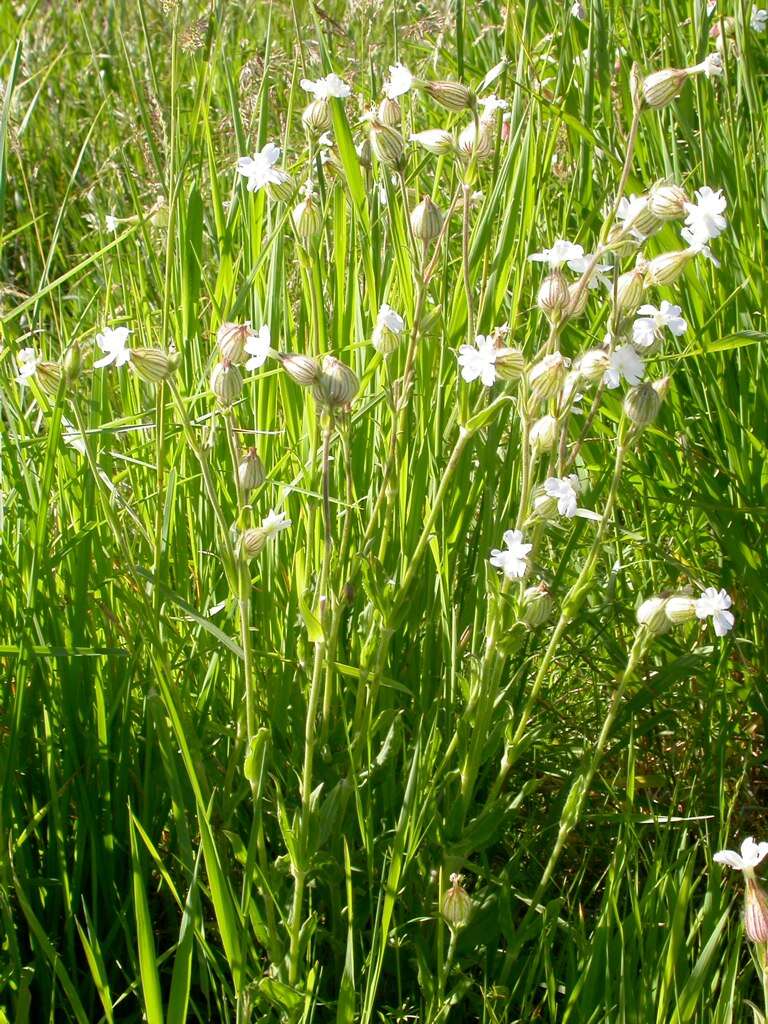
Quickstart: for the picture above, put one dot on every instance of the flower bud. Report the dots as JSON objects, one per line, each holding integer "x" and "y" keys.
{"x": 510, "y": 363}
{"x": 336, "y": 385}
{"x": 307, "y": 220}
{"x": 250, "y": 472}
{"x": 667, "y": 202}
{"x": 389, "y": 112}
{"x": 666, "y": 269}
{"x": 628, "y": 293}
{"x": 578, "y": 296}
{"x": 317, "y": 116}
{"x": 251, "y": 542}
{"x": 231, "y": 339}
{"x": 386, "y": 143}
{"x": 680, "y": 608}
{"x": 436, "y": 141}
{"x": 640, "y": 219}
{"x": 426, "y": 220}
{"x": 72, "y": 361}
{"x": 642, "y": 405}
{"x": 478, "y": 144}
{"x": 554, "y": 298}
{"x": 282, "y": 190}
{"x": 226, "y": 382}
{"x": 755, "y": 911}
{"x": 537, "y": 606}
{"x": 457, "y": 904}
{"x": 451, "y": 95}
{"x": 620, "y": 242}
{"x": 593, "y": 364}
{"x": 364, "y": 153}
{"x": 302, "y": 369}
{"x": 48, "y": 376}
{"x": 652, "y": 615}
{"x": 543, "y": 434}
{"x": 546, "y": 377}
{"x": 544, "y": 505}
{"x": 152, "y": 364}
{"x": 661, "y": 87}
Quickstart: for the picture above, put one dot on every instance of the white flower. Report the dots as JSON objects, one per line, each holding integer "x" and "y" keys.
{"x": 387, "y": 330}
{"x": 325, "y": 140}
{"x": 752, "y": 854}
{"x": 258, "y": 347}
{"x": 514, "y": 560}
{"x": 274, "y": 523}
{"x": 560, "y": 253}
{"x": 330, "y": 87}
{"x": 650, "y": 326}
{"x": 565, "y": 490}
{"x": 435, "y": 140}
{"x": 491, "y": 104}
{"x": 389, "y": 319}
{"x": 759, "y": 19}
{"x": 714, "y": 604}
{"x": 704, "y": 218}
{"x": 712, "y": 66}
{"x": 113, "y": 341}
{"x": 626, "y": 363}
{"x": 111, "y": 223}
{"x": 577, "y": 11}
{"x": 260, "y": 168}
{"x": 629, "y": 210}
{"x": 479, "y": 360}
{"x": 597, "y": 277}
{"x": 399, "y": 82}
{"x": 27, "y": 361}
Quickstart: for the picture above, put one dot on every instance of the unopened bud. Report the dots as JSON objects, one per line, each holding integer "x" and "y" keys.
{"x": 48, "y": 376}
{"x": 386, "y": 143}
{"x": 628, "y": 293}
{"x": 72, "y": 361}
{"x": 537, "y": 606}
{"x": 364, "y": 153}
{"x": 640, "y": 218}
{"x": 451, "y": 95}
{"x": 666, "y": 269}
{"x": 642, "y": 405}
{"x": 554, "y": 298}
{"x": 281, "y": 190}
{"x": 543, "y": 434}
{"x": 435, "y": 140}
{"x": 302, "y": 369}
{"x": 336, "y": 385}
{"x": 250, "y": 472}
{"x": 546, "y": 377}
{"x": 152, "y": 364}
{"x": 653, "y": 616}
{"x": 426, "y": 220}
{"x": 661, "y": 87}
{"x": 667, "y": 202}
{"x": 231, "y": 339}
{"x": 578, "y": 296}
{"x": 251, "y": 542}
{"x": 317, "y": 116}
{"x": 510, "y": 363}
{"x": 389, "y": 112}
{"x": 307, "y": 220}
{"x": 620, "y": 242}
{"x": 457, "y": 905}
{"x": 226, "y": 382}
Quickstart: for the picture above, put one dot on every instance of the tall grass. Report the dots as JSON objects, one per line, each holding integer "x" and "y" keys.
{"x": 237, "y": 789}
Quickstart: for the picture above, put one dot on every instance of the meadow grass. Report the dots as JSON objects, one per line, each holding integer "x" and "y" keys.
{"x": 237, "y": 788}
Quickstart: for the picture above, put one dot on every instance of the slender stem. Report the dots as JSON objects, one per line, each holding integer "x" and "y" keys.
{"x": 467, "y": 195}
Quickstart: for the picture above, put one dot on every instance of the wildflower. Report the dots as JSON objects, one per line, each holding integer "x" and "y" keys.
{"x": 759, "y": 20}
{"x": 755, "y": 905}
{"x": 714, "y": 604}
{"x": 226, "y": 382}
{"x": 451, "y": 95}
{"x": 113, "y": 341}
{"x": 476, "y": 143}
{"x": 514, "y": 560}
{"x": 260, "y": 169}
{"x": 636, "y": 217}
{"x": 628, "y": 291}
{"x": 704, "y": 218}
{"x": 490, "y": 105}
{"x": 546, "y": 377}
{"x": 697, "y": 247}
{"x": 579, "y": 264}
{"x": 426, "y": 220}
{"x": 536, "y": 606}
{"x": 649, "y": 327}
{"x": 111, "y": 223}
{"x": 543, "y": 434}
{"x": 330, "y": 87}
{"x": 479, "y": 360}
{"x": 652, "y": 614}
{"x": 667, "y": 202}
{"x": 399, "y": 82}
{"x": 565, "y": 490}
{"x": 386, "y": 333}
{"x": 28, "y": 362}
{"x": 578, "y": 11}
{"x": 436, "y": 141}
{"x": 457, "y": 905}
{"x": 275, "y": 523}
{"x": 560, "y": 253}
{"x": 626, "y": 363}
{"x": 593, "y": 365}
{"x": 258, "y": 347}
{"x": 554, "y": 297}
{"x": 250, "y": 471}
{"x": 336, "y": 384}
